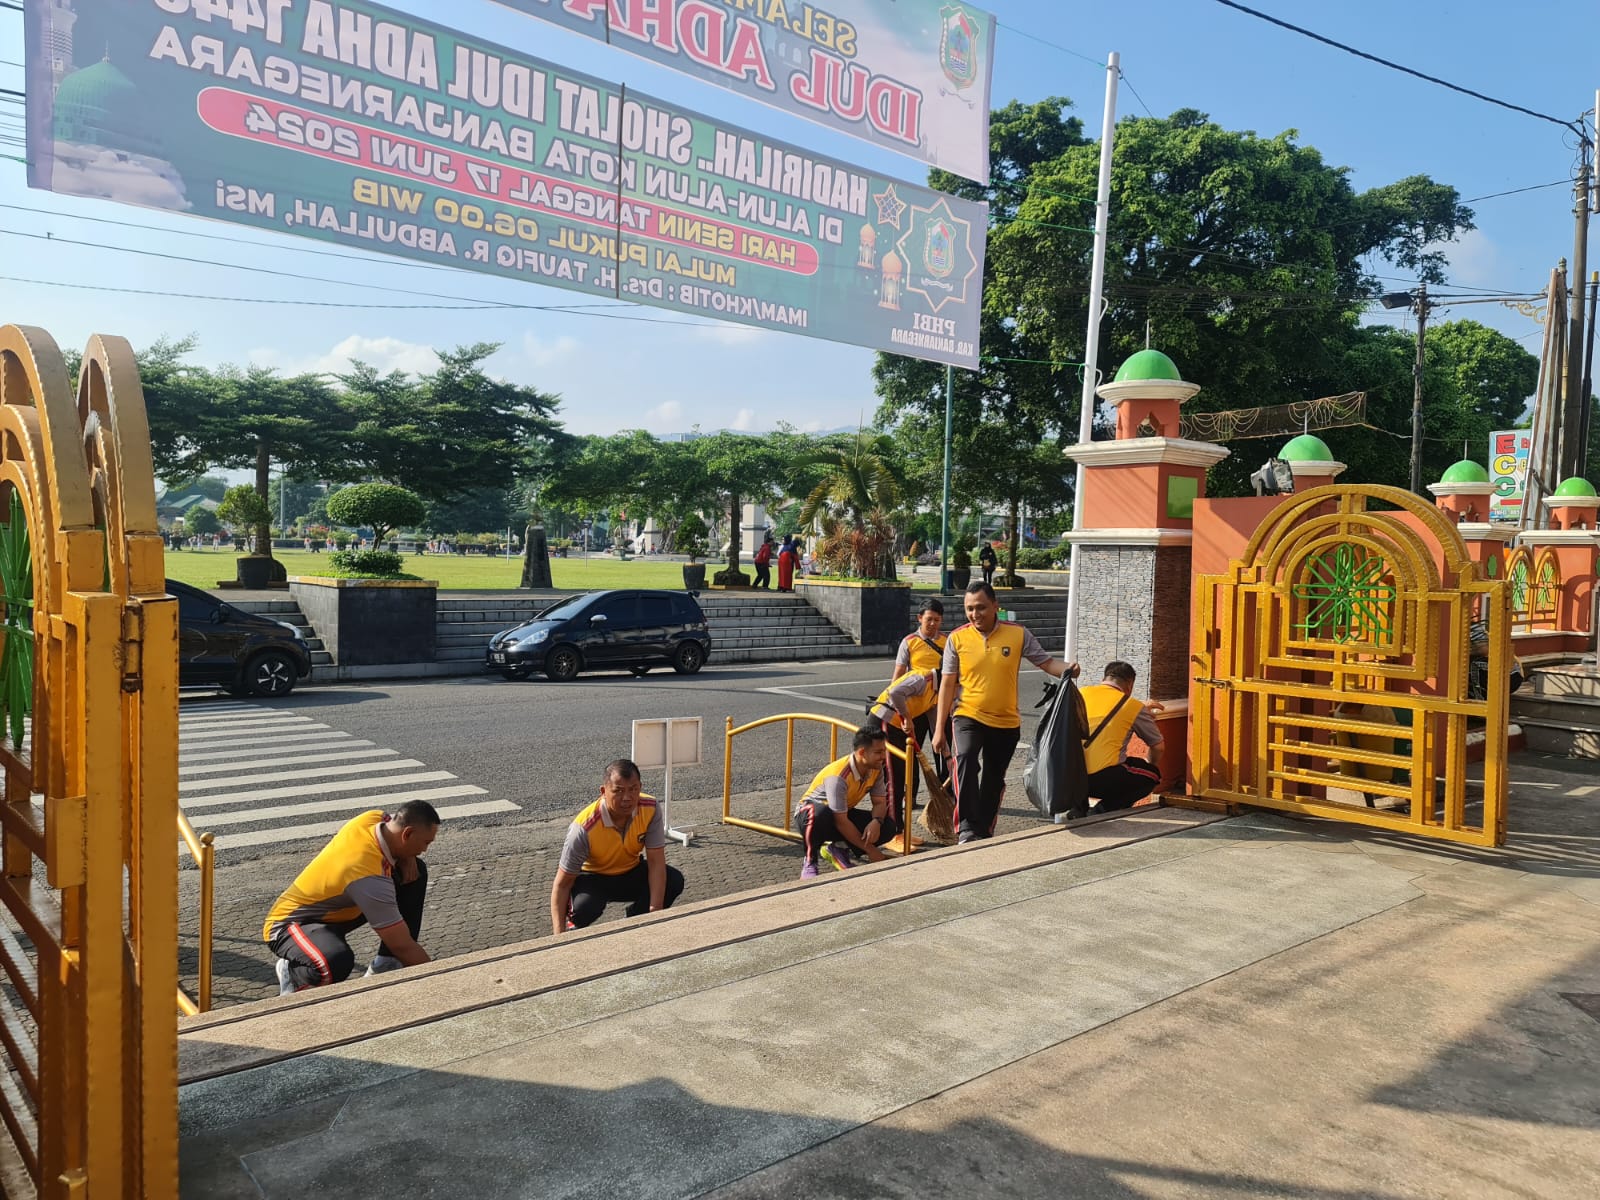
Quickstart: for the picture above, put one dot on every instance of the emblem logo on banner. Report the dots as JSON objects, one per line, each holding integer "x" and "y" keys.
{"x": 958, "y": 47}
{"x": 941, "y": 244}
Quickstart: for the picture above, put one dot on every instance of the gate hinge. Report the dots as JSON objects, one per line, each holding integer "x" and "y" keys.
{"x": 133, "y": 646}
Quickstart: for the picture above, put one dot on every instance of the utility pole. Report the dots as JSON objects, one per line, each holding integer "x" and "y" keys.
{"x": 1573, "y": 452}
{"x": 1416, "y": 390}
{"x": 944, "y": 520}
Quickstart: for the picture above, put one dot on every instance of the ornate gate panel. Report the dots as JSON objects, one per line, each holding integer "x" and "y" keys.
{"x": 1333, "y": 663}
{"x": 88, "y": 747}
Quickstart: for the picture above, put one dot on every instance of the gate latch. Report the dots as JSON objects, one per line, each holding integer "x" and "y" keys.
{"x": 133, "y": 646}
{"x": 1220, "y": 683}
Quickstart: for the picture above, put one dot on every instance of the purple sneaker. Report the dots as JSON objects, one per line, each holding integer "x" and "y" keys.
{"x": 838, "y": 856}
{"x": 809, "y": 871}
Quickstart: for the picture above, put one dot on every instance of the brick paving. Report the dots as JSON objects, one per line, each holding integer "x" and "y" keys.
{"x": 482, "y": 894}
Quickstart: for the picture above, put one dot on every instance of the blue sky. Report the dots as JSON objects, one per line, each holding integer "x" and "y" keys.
{"x": 620, "y": 374}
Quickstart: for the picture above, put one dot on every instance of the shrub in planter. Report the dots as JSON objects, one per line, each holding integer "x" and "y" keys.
{"x": 1004, "y": 580}
{"x": 381, "y": 564}
{"x": 730, "y": 578}
{"x": 1036, "y": 558}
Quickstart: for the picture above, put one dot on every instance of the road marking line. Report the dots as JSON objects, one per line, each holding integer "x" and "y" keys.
{"x": 260, "y": 714}
{"x": 314, "y": 789}
{"x": 311, "y": 773}
{"x": 286, "y": 760}
{"x": 1582, "y": 791}
{"x": 351, "y": 804}
{"x": 780, "y": 691}
{"x": 261, "y": 837}
{"x": 207, "y": 741}
{"x": 322, "y": 741}
{"x": 247, "y": 728}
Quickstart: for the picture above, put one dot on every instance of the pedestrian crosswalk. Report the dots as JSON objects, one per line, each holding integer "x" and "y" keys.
{"x": 257, "y": 776}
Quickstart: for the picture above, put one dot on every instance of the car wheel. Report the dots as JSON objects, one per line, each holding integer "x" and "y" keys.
{"x": 562, "y": 663}
{"x": 690, "y": 657}
{"x": 639, "y": 671}
{"x": 271, "y": 673}
{"x": 517, "y": 670}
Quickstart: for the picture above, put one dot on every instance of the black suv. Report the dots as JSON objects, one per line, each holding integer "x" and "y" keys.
{"x": 600, "y": 630}
{"x": 242, "y": 652}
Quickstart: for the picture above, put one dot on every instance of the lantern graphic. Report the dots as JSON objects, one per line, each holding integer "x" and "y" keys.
{"x": 868, "y": 257}
{"x": 893, "y": 280}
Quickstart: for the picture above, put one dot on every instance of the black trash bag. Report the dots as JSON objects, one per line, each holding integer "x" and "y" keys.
{"x": 1056, "y": 776}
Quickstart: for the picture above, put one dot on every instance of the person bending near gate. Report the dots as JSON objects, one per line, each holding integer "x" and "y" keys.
{"x": 897, "y": 711}
{"x": 615, "y": 853}
{"x": 924, "y": 651}
{"x": 830, "y": 824}
{"x": 371, "y": 873}
{"x": 981, "y": 662}
{"x": 1115, "y": 715}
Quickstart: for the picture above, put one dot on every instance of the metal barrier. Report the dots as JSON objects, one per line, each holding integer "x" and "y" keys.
{"x": 835, "y": 724}
{"x": 89, "y": 750}
{"x": 204, "y": 853}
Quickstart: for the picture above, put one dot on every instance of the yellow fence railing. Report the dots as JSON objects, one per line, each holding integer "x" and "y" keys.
{"x": 204, "y": 853}
{"x": 908, "y": 764}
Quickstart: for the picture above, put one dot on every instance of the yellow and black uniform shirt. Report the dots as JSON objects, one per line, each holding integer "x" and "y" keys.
{"x": 919, "y": 654}
{"x": 351, "y": 877}
{"x": 841, "y": 786}
{"x": 906, "y": 699}
{"x": 985, "y": 667}
{"x": 596, "y": 846}
{"x": 1105, "y": 751}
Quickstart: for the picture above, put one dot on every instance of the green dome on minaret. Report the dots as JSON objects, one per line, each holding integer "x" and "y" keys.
{"x": 1308, "y": 447}
{"x": 1147, "y": 365}
{"x": 1465, "y": 471}
{"x": 100, "y": 106}
{"x": 1575, "y": 488}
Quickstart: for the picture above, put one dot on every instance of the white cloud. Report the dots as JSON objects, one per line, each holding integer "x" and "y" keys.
{"x": 1475, "y": 261}
{"x": 542, "y": 353}
{"x": 745, "y": 420}
{"x": 384, "y": 353}
{"x": 665, "y": 413}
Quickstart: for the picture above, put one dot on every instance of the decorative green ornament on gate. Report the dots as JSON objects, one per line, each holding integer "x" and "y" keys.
{"x": 16, "y": 659}
{"x": 1346, "y": 596}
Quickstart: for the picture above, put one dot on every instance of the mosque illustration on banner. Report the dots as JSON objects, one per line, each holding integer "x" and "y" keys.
{"x": 103, "y": 145}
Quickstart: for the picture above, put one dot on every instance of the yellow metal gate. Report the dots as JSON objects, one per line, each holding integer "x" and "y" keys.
{"x": 1332, "y": 669}
{"x": 88, "y": 748}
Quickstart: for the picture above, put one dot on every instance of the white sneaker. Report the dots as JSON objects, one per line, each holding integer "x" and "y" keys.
{"x": 382, "y": 964}
{"x": 286, "y": 985}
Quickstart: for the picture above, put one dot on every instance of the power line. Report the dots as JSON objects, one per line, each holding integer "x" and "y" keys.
{"x": 1394, "y": 66}
{"x": 1123, "y": 75}
{"x": 1033, "y": 37}
{"x": 1518, "y": 191}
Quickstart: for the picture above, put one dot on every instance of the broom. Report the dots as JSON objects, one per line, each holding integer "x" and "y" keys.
{"x": 938, "y": 809}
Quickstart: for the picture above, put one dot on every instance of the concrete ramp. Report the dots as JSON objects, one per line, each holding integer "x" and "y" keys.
{"x": 1161, "y": 1004}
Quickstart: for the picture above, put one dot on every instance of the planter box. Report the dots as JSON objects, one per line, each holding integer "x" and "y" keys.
{"x": 874, "y": 614}
{"x": 371, "y": 622}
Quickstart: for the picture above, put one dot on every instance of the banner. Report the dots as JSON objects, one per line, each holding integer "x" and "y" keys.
{"x": 351, "y": 123}
{"x": 1508, "y": 471}
{"x": 911, "y": 76}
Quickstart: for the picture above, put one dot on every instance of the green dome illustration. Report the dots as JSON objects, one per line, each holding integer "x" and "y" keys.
{"x": 1465, "y": 471}
{"x": 1308, "y": 447}
{"x": 1148, "y": 365}
{"x": 1575, "y": 489}
{"x": 99, "y": 106}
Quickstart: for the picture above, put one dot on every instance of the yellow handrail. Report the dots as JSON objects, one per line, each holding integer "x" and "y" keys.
{"x": 203, "y": 851}
{"x": 835, "y": 724}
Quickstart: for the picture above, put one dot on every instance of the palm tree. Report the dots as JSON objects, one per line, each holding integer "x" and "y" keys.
{"x": 859, "y": 484}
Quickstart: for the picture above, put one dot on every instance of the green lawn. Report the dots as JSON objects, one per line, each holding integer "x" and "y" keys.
{"x": 464, "y": 572}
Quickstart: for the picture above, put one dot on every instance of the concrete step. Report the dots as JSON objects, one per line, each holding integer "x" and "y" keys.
{"x": 1561, "y": 683}
{"x": 276, "y": 609}
{"x": 1559, "y": 737}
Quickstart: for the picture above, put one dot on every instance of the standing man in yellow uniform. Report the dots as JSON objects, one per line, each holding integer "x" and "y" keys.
{"x": 923, "y": 651}
{"x": 615, "y": 853}
{"x": 830, "y": 824}
{"x": 1115, "y": 714}
{"x": 978, "y": 699}
{"x": 370, "y": 873}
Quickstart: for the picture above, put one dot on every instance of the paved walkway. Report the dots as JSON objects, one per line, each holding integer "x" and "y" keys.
{"x": 1256, "y": 1006}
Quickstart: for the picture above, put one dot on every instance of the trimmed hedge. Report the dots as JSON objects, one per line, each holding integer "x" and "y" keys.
{"x": 378, "y": 564}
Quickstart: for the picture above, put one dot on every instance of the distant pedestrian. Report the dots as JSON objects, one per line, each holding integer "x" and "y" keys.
{"x": 370, "y": 873}
{"x": 982, "y": 660}
{"x": 988, "y": 562}
{"x": 763, "y": 562}
{"x": 788, "y": 559}
{"x": 830, "y": 824}
{"x": 615, "y": 853}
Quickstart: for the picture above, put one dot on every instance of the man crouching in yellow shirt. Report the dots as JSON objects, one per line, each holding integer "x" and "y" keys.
{"x": 615, "y": 852}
